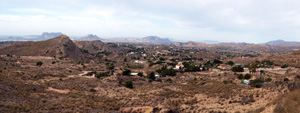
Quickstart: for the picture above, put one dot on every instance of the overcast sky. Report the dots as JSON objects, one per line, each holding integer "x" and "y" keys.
{"x": 252, "y": 21}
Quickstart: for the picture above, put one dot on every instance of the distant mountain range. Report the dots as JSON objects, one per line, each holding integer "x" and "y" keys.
{"x": 61, "y": 45}
{"x": 89, "y": 37}
{"x": 44, "y": 36}
{"x": 275, "y": 42}
{"x": 148, "y": 39}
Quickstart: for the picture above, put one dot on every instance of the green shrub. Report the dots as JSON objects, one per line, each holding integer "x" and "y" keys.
{"x": 237, "y": 69}
{"x": 152, "y": 76}
{"x": 159, "y": 80}
{"x": 286, "y": 79}
{"x": 240, "y": 76}
{"x": 268, "y": 79}
{"x": 92, "y": 90}
{"x": 129, "y": 84}
{"x": 247, "y": 76}
{"x": 102, "y": 74}
{"x": 227, "y": 81}
{"x": 230, "y": 63}
{"x": 169, "y": 80}
{"x": 258, "y": 82}
{"x": 126, "y": 72}
{"x": 140, "y": 74}
{"x": 39, "y": 63}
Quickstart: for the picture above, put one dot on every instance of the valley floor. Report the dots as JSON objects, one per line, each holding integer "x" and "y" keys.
{"x": 63, "y": 87}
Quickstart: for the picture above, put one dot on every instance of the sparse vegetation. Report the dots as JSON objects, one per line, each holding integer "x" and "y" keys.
{"x": 240, "y": 76}
{"x": 126, "y": 72}
{"x": 129, "y": 84}
{"x": 152, "y": 76}
{"x": 247, "y": 76}
{"x": 39, "y": 63}
{"x": 140, "y": 74}
{"x": 237, "y": 69}
{"x": 286, "y": 79}
{"x": 90, "y": 80}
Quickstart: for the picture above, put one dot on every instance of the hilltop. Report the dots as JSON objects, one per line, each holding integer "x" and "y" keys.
{"x": 275, "y": 42}
{"x": 90, "y": 37}
{"x": 59, "y": 47}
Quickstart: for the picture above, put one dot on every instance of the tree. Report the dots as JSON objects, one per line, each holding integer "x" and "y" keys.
{"x": 39, "y": 63}
{"x": 93, "y": 90}
{"x": 240, "y": 76}
{"x": 129, "y": 84}
{"x": 169, "y": 80}
{"x": 268, "y": 79}
{"x": 257, "y": 82}
{"x": 247, "y": 76}
{"x": 217, "y": 61}
{"x": 237, "y": 69}
{"x": 285, "y": 66}
{"x": 140, "y": 74}
{"x": 162, "y": 59}
{"x": 102, "y": 74}
{"x": 126, "y": 72}
{"x": 152, "y": 76}
{"x": 230, "y": 63}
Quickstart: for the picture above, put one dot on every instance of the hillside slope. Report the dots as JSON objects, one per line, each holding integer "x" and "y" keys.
{"x": 60, "y": 47}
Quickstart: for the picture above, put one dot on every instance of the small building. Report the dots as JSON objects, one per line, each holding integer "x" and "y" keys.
{"x": 169, "y": 66}
{"x": 3, "y": 55}
{"x": 93, "y": 75}
{"x": 246, "y": 70}
{"x": 133, "y": 74}
{"x": 276, "y": 67}
{"x": 139, "y": 61}
{"x": 144, "y": 55}
{"x": 245, "y": 82}
{"x": 179, "y": 65}
{"x": 223, "y": 66}
{"x": 116, "y": 73}
{"x": 157, "y": 76}
{"x": 257, "y": 72}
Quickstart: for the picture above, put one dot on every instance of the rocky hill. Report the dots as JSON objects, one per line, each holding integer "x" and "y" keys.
{"x": 90, "y": 37}
{"x": 49, "y": 35}
{"x": 155, "y": 39}
{"x": 275, "y": 42}
{"x": 97, "y": 46}
{"x": 60, "y": 47}
{"x": 91, "y": 46}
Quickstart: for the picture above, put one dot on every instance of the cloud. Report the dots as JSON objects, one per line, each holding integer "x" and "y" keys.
{"x": 224, "y": 20}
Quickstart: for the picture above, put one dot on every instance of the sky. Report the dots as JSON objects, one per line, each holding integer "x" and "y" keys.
{"x": 252, "y": 21}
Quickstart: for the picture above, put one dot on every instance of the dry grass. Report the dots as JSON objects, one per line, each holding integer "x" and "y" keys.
{"x": 290, "y": 103}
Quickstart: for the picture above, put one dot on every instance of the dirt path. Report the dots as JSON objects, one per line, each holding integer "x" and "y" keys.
{"x": 84, "y": 72}
{"x": 58, "y": 90}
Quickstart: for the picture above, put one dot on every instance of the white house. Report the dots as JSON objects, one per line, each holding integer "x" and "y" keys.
{"x": 144, "y": 55}
{"x": 157, "y": 76}
{"x": 139, "y": 61}
{"x": 133, "y": 74}
{"x": 179, "y": 65}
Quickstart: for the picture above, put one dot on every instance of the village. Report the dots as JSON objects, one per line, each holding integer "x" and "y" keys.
{"x": 148, "y": 78}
